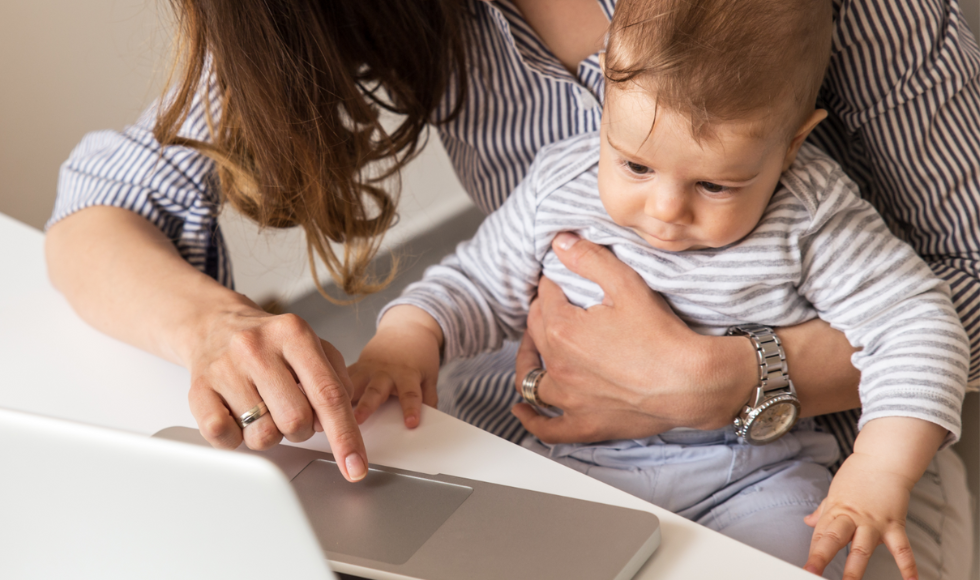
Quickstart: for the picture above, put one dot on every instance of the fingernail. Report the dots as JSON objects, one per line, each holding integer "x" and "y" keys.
{"x": 566, "y": 240}
{"x": 355, "y": 467}
{"x": 810, "y": 569}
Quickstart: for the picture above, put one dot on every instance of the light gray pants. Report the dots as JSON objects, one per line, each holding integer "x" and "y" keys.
{"x": 757, "y": 495}
{"x": 481, "y": 391}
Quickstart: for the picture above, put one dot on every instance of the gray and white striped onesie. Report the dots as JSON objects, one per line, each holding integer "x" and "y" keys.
{"x": 818, "y": 251}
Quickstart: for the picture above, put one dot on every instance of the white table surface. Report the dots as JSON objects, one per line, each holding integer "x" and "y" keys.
{"x": 52, "y": 363}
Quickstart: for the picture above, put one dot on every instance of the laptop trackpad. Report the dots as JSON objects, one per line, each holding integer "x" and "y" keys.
{"x": 385, "y": 517}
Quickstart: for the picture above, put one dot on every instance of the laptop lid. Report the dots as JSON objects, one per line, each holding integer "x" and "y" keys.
{"x": 78, "y": 501}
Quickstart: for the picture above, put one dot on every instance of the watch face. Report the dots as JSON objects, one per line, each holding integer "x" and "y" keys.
{"x": 772, "y": 423}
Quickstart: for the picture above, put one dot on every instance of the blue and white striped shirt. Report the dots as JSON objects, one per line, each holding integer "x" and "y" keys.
{"x": 903, "y": 93}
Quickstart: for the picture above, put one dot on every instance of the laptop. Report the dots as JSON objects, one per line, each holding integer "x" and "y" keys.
{"x": 87, "y": 502}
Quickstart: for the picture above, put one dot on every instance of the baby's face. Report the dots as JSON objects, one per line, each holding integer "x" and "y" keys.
{"x": 676, "y": 193}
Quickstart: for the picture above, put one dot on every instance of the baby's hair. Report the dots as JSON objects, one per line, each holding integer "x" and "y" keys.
{"x": 722, "y": 60}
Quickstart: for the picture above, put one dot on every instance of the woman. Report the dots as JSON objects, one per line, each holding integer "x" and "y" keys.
{"x": 144, "y": 260}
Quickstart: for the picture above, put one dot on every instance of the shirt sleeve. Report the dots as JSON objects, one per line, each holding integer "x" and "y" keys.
{"x": 903, "y": 92}
{"x": 875, "y": 289}
{"x": 480, "y": 295}
{"x": 172, "y": 187}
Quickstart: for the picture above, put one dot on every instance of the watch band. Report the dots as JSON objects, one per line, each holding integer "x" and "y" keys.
{"x": 773, "y": 371}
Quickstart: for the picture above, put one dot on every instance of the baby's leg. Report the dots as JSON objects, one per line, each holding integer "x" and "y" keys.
{"x": 766, "y": 511}
{"x": 757, "y": 495}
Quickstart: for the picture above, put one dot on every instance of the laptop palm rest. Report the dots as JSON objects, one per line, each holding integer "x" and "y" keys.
{"x": 402, "y": 524}
{"x": 385, "y": 517}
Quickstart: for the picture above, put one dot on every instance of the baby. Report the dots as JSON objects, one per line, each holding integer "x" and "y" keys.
{"x": 700, "y": 180}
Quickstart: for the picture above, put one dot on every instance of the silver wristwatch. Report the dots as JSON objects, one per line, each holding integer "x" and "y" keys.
{"x": 773, "y": 408}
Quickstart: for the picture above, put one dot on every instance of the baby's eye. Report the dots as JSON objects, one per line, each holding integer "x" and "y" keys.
{"x": 637, "y": 168}
{"x": 712, "y": 187}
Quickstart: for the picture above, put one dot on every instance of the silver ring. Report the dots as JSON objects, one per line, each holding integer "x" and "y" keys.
{"x": 529, "y": 387}
{"x": 252, "y": 415}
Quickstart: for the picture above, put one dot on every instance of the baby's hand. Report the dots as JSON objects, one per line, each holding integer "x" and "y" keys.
{"x": 402, "y": 360}
{"x": 866, "y": 506}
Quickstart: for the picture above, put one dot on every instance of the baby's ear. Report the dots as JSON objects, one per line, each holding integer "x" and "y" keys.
{"x": 801, "y": 134}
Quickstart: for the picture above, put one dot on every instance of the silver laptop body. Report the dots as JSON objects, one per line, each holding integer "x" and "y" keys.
{"x": 85, "y": 502}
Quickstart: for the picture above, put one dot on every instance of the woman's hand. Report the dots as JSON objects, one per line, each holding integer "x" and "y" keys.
{"x": 247, "y": 356}
{"x": 628, "y": 367}
{"x": 124, "y": 277}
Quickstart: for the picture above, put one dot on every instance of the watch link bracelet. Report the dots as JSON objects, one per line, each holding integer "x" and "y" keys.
{"x": 773, "y": 408}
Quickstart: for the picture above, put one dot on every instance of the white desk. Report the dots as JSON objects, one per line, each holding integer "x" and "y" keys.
{"x": 53, "y": 364}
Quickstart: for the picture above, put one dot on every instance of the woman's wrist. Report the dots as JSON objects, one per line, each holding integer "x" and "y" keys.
{"x": 729, "y": 373}
{"x": 819, "y": 361}
{"x": 202, "y": 320}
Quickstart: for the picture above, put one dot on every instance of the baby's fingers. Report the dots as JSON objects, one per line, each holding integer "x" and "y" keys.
{"x": 828, "y": 539}
{"x": 866, "y": 539}
{"x": 812, "y": 519}
{"x": 410, "y": 397}
{"x": 377, "y": 391}
{"x": 898, "y": 544}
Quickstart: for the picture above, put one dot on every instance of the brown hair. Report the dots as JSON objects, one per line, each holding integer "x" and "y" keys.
{"x": 302, "y": 82}
{"x": 723, "y": 59}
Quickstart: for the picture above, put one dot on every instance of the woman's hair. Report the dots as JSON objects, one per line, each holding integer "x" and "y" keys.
{"x": 723, "y": 59}
{"x": 302, "y": 82}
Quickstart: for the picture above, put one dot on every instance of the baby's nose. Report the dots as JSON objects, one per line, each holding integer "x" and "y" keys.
{"x": 668, "y": 205}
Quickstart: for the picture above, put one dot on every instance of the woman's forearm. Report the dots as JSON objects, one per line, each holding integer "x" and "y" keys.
{"x": 125, "y": 278}
{"x": 819, "y": 362}
{"x": 817, "y": 356}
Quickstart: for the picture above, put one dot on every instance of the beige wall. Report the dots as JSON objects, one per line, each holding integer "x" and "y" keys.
{"x": 971, "y": 11}
{"x": 69, "y": 67}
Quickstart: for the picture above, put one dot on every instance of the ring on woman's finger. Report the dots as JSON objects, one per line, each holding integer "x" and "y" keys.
{"x": 252, "y": 415}
{"x": 529, "y": 387}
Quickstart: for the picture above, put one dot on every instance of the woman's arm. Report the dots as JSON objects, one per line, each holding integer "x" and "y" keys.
{"x": 631, "y": 368}
{"x": 123, "y": 276}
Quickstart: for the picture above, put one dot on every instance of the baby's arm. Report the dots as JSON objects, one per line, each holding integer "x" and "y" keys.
{"x": 402, "y": 359}
{"x": 913, "y": 360}
{"x": 469, "y": 303}
{"x": 869, "y": 496}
